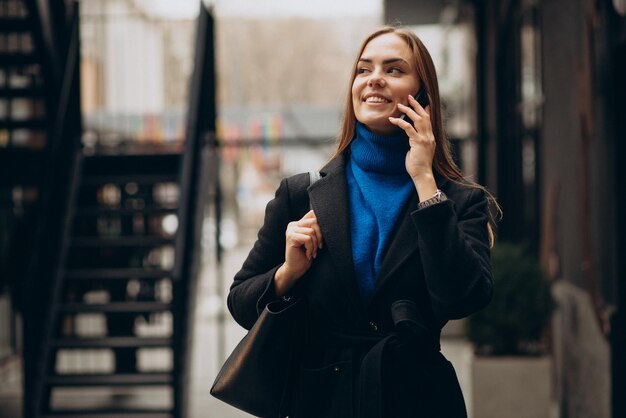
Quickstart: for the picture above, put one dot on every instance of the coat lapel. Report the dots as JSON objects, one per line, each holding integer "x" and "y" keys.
{"x": 329, "y": 200}
{"x": 402, "y": 246}
{"x": 404, "y": 242}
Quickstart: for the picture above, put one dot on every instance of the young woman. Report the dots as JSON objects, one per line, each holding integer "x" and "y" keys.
{"x": 386, "y": 247}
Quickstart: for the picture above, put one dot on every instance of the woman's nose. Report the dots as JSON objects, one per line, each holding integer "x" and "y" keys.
{"x": 376, "y": 78}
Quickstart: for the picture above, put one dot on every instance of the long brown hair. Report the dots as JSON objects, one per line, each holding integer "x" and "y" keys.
{"x": 443, "y": 162}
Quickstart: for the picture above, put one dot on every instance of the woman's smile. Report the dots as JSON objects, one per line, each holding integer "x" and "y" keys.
{"x": 374, "y": 98}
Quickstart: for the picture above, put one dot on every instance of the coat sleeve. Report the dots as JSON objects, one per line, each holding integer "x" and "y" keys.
{"x": 253, "y": 286}
{"x": 454, "y": 247}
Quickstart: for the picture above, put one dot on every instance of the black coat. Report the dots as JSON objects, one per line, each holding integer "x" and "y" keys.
{"x": 361, "y": 359}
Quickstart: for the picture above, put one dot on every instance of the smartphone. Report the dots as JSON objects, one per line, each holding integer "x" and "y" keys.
{"x": 422, "y": 98}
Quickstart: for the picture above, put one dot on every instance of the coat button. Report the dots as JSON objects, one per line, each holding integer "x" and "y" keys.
{"x": 336, "y": 369}
{"x": 373, "y": 326}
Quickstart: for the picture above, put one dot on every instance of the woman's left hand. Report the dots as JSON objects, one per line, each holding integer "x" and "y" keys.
{"x": 419, "y": 159}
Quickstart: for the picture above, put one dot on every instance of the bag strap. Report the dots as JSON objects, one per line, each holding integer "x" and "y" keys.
{"x": 314, "y": 176}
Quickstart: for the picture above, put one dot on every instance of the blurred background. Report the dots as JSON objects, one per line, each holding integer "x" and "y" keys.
{"x": 140, "y": 141}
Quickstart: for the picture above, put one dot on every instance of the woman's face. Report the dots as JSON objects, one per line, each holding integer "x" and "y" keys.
{"x": 385, "y": 76}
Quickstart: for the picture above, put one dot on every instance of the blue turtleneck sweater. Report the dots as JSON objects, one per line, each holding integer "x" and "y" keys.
{"x": 378, "y": 187}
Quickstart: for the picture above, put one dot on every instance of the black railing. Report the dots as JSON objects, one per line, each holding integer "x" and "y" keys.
{"x": 59, "y": 175}
{"x": 200, "y": 126}
{"x": 49, "y": 31}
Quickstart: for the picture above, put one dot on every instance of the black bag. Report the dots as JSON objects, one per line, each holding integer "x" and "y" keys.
{"x": 256, "y": 375}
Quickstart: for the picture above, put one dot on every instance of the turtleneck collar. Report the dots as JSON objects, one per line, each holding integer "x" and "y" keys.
{"x": 383, "y": 154}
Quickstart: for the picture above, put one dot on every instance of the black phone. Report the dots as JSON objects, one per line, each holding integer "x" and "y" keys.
{"x": 422, "y": 98}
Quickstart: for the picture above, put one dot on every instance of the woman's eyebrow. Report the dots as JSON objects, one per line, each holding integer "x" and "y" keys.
{"x": 387, "y": 61}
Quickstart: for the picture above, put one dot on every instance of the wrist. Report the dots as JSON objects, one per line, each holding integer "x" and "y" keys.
{"x": 425, "y": 185}
{"x": 282, "y": 281}
{"x": 423, "y": 176}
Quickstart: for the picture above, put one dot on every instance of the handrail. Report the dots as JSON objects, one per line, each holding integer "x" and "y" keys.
{"x": 60, "y": 173}
{"x": 48, "y": 25}
{"x": 200, "y": 125}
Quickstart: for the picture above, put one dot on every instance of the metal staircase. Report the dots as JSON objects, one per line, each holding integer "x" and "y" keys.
{"x": 118, "y": 292}
{"x": 23, "y": 133}
{"x": 109, "y": 278}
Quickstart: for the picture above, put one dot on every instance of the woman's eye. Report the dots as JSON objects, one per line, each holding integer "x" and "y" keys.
{"x": 361, "y": 70}
{"x": 395, "y": 70}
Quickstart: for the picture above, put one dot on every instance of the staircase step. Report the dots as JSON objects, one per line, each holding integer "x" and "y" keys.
{"x": 11, "y": 25}
{"x": 23, "y": 124}
{"x": 139, "y": 307}
{"x": 96, "y": 180}
{"x": 135, "y": 379}
{"x": 138, "y": 273}
{"x": 111, "y": 342}
{"x": 99, "y": 210}
{"x": 131, "y": 166}
{"x": 27, "y": 92}
{"x": 8, "y": 59}
{"x": 123, "y": 241}
{"x": 108, "y": 414}
{"x": 20, "y": 166}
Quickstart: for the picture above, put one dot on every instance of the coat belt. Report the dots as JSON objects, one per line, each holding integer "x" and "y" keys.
{"x": 409, "y": 328}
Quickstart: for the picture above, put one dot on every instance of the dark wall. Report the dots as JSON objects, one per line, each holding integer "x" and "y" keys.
{"x": 412, "y": 12}
{"x": 561, "y": 129}
{"x": 579, "y": 139}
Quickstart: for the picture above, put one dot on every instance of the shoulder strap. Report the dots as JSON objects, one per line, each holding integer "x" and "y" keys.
{"x": 314, "y": 176}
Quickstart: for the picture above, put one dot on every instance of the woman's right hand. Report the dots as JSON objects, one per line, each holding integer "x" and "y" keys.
{"x": 303, "y": 240}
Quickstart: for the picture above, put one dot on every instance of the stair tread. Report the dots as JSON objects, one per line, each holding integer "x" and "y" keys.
{"x": 116, "y": 273}
{"x": 127, "y": 178}
{"x": 121, "y": 241}
{"x": 116, "y": 307}
{"x": 99, "y": 210}
{"x": 126, "y": 168}
{"x": 23, "y": 124}
{"x": 20, "y": 165}
{"x": 11, "y": 92}
{"x": 10, "y": 59}
{"x": 146, "y": 154}
{"x": 109, "y": 413}
{"x": 14, "y": 24}
{"x": 20, "y": 152}
{"x": 106, "y": 342}
{"x": 137, "y": 379}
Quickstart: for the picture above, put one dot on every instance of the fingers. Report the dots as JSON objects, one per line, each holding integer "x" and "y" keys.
{"x": 410, "y": 112}
{"x": 418, "y": 118}
{"x": 401, "y": 123}
{"x": 310, "y": 220}
{"x": 304, "y": 241}
{"x": 305, "y": 233}
{"x": 418, "y": 107}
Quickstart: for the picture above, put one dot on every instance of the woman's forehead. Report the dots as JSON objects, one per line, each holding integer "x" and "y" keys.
{"x": 387, "y": 45}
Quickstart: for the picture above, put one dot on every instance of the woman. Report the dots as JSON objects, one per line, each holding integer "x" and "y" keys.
{"x": 386, "y": 247}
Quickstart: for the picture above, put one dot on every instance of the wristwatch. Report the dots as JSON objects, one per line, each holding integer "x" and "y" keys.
{"x": 437, "y": 198}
